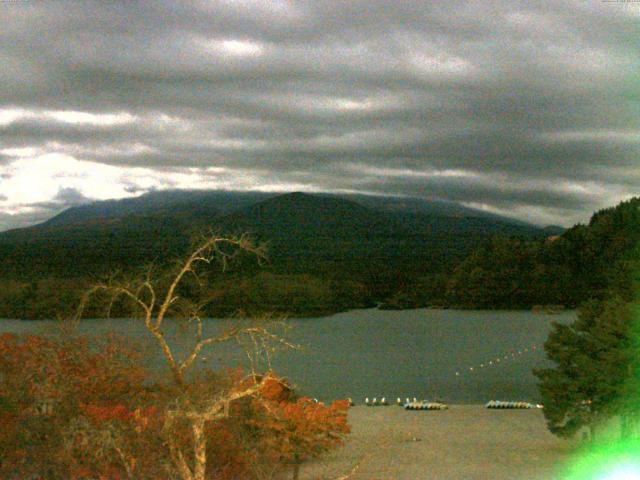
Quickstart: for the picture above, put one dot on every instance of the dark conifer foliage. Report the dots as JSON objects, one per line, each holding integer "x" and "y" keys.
{"x": 595, "y": 369}
{"x": 583, "y": 263}
{"x": 596, "y": 375}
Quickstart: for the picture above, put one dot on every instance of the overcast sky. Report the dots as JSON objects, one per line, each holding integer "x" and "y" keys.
{"x": 521, "y": 108}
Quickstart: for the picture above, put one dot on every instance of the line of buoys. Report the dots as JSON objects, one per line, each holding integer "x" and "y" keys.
{"x": 424, "y": 405}
{"x": 497, "y": 360}
{"x": 500, "y": 404}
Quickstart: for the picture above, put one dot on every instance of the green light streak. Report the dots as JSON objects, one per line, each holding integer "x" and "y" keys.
{"x": 612, "y": 458}
{"x": 616, "y": 461}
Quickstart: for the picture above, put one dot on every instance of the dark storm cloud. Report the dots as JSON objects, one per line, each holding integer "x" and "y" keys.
{"x": 65, "y": 198}
{"x": 37, "y": 212}
{"x": 70, "y": 196}
{"x": 20, "y": 220}
{"x": 526, "y": 107}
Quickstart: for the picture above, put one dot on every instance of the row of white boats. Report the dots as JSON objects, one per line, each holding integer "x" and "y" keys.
{"x": 416, "y": 404}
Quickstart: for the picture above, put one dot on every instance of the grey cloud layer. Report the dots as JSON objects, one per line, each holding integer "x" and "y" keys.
{"x": 541, "y": 99}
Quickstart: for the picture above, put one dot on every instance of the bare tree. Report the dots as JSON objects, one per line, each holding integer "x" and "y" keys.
{"x": 154, "y": 304}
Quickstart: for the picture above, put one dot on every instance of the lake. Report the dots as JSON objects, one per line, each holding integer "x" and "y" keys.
{"x": 458, "y": 356}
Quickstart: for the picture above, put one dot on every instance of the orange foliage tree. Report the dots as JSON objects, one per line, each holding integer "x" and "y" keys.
{"x": 275, "y": 430}
{"x": 293, "y": 430}
{"x": 193, "y": 426}
{"x": 54, "y": 392}
{"x": 83, "y": 408}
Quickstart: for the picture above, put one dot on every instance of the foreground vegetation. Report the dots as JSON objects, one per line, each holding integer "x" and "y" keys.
{"x": 74, "y": 407}
{"x": 84, "y": 408}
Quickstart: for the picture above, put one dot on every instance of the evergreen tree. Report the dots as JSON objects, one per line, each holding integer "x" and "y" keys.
{"x": 596, "y": 372}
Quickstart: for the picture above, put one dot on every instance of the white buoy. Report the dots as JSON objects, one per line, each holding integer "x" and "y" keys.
{"x": 375, "y": 401}
{"x": 399, "y": 402}
{"x": 383, "y": 402}
{"x": 366, "y": 402}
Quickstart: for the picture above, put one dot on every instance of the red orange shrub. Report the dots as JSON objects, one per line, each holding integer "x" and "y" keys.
{"x": 83, "y": 408}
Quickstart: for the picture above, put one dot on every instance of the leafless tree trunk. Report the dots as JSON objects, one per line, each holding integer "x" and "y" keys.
{"x": 155, "y": 306}
{"x": 200, "y": 448}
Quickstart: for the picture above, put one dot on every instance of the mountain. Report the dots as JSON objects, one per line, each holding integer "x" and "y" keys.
{"x": 438, "y": 208}
{"x": 326, "y": 253}
{"x": 209, "y": 201}
{"x": 316, "y": 233}
{"x": 190, "y": 203}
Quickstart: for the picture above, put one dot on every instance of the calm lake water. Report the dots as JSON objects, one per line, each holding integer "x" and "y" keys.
{"x": 458, "y": 356}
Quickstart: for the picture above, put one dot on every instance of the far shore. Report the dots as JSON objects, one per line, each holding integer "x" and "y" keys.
{"x": 319, "y": 314}
{"x": 466, "y": 442}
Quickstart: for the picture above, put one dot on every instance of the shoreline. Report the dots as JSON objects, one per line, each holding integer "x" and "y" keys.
{"x": 319, "y": 316}
{"x": 465, "y": 442}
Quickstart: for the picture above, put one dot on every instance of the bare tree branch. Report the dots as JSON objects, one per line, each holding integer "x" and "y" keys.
{"x": 156, "y": 305}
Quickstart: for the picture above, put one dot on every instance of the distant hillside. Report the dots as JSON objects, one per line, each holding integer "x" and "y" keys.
{"x": 170, "y": 202}
{"x": 436, "y": 208}
{"x": 326, "y": 253}
{"x": 186, "y": 203}
{"x": 586, "y": 261}
{"x": 305, "y": 232}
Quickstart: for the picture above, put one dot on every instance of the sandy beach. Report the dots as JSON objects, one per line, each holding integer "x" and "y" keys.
{"x": 466, "y": 442}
